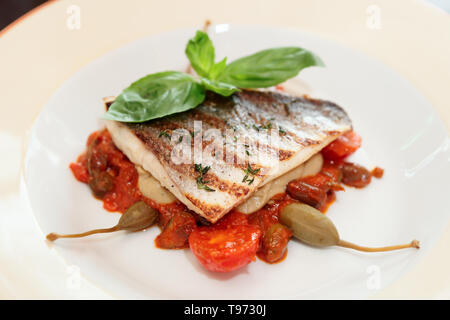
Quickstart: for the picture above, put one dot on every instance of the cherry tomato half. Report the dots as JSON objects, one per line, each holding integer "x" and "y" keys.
{"x": 225, "y": 249}
{"x": 342, "y": 147}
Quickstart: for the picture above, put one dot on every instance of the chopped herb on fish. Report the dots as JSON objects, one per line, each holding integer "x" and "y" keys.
{"x": 266, "y": 127}
{"x": 164, "y": 133}
{"x": 199, "y": 168}
{"x": 201, "y": 184}
{"x": 143, "y": 141}
{"x": 250, "y": 172}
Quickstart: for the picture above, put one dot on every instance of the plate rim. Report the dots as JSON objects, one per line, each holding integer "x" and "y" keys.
{"x": 25, "y": 25}
{"x": 409, "y": 265}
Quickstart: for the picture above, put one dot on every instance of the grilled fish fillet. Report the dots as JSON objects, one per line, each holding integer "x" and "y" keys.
{"x": 271, "y": 133}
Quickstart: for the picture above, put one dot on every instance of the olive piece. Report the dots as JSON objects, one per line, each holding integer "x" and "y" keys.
{"x": 139, "y": 216}
{"x": 100, "y": 181}
{"x": 312, "y": 227}
{"x": 176, "y": 233}
{"x": 274, "y": 243}
{"x": 355, "y": 175}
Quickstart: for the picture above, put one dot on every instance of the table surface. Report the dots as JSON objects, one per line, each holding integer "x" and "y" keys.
{"x": 43, "y": 49}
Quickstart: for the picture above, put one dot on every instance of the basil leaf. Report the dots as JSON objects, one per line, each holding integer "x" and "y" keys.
{"x": 224, "y": 89}
{"x": 269, "y": 67}
{"x": 200, "y": 51}
{"x": 155, "y": 96}
{"x": 217, "y": 69}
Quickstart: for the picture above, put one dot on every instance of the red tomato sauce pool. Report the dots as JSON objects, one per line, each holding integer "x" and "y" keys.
{"x": 124, "y": 191}
{"x": 114, "y": 179}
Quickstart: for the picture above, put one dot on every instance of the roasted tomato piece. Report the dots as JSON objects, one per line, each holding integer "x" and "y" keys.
{"x": 234, "y": 218}
{"x": 274, "y": 243}
{"x": 176, "y": 233}
{"x": 310, "y": 190}
{"x": 332, "y": 171}
{"x": 166, "y": 212}
{"x": 342, "y": 147}
{"x": 225, "y": 249}
{"x": 355, "y": 175}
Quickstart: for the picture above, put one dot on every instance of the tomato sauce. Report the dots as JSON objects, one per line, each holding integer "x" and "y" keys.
{"x": 79, "y": 169}
{"x": 377, "y": 172}
{"x": 103, "y": 161}
{"x": 176, "y": 223}
{"x": 176, "y": 232}
{"x": 235, "y": 239}
{"x": 275, "y": 237}
{"x": 319, "y": 190}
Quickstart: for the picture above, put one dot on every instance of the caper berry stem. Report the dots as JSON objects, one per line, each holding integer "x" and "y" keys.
{"x": 137, "y": 217}
{"x": 53, "y": 236}
{"x": 312, "y": 227}
{"x": 346, "y": 244}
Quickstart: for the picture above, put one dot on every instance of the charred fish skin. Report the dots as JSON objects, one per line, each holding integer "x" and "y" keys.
{"x": 303, "y": 126}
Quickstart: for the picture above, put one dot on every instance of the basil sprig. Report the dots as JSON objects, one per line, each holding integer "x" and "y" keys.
{"x": 200, "y": 52}
{"x": 269, "y": 67}
{"x": 155, "y": 96}
{"x": 165, "y": 93}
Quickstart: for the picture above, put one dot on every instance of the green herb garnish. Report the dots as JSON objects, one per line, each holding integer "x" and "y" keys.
{"x": 201, "y": 54}
{"x": 269, "y": 67}
{"x": 201, "y": 184}
{"x": 164, "y": 133}
{"x": 161, "y": 94}
{"x": 250, "y": 172}
{"x": 198, "y": 167}
{"x": 268, "y": 126}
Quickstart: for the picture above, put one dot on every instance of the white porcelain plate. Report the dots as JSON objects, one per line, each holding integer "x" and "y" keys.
{"x": 400, "y": 130}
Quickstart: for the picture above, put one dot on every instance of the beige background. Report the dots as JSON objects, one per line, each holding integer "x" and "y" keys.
{"x": 39, "y": 52}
